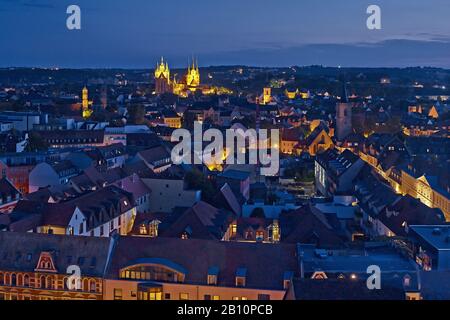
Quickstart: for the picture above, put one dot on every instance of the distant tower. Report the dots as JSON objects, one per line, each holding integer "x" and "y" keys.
{"x": 267, "y": 95}
{"x": 86, "y": 112}
{"x": 162, "y": 78}
{"x": 85, "y": 98}
{"x": 104, "y": 97}
{"x": 343, "y": 116}
{"x": 193, "y": 75}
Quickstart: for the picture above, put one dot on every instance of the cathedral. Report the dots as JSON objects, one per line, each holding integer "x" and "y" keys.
{"x": 189, "y": 83}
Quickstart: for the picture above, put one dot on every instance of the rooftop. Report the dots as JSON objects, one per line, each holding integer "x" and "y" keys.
{"x": 436, "y": 235}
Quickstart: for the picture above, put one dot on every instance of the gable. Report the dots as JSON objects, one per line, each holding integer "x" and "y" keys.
{"x": 46, "y": 263}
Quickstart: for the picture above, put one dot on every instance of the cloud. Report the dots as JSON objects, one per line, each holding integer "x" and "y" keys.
{"x": 7, "y": 4}
{"x": 388, "y": 53}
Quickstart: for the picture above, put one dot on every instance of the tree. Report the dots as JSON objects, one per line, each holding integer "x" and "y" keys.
{"x": 257, "y": 213}
{"x": 36, "y": 142}
{"x": 136, "y": 114}
{"x": 197, "y": 180}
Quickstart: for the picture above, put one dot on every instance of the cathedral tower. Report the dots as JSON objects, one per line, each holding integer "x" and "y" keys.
{"x": 162, "y": 77}
{"x": 193, "y": 75}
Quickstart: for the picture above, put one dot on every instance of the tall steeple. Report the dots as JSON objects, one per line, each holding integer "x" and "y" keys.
{"x": 343, "y": 115}
{"x": 344, "y": 94}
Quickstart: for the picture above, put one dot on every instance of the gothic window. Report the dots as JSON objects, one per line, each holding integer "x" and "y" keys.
{"x": 92, "y": 285}
{"x": 26, "y": 280}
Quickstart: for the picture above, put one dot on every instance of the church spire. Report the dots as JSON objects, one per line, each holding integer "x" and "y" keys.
{"x": 344, "y": 94}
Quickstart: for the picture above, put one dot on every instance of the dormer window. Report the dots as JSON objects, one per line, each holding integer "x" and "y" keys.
{"x": 233, "y": 229}
{"x": 213, "y": 273}
{"x": 241, "y": 275}
{"x": 142, "y": 229}
{"x": 259, "y": 236}
{"x": 407, "y": 280}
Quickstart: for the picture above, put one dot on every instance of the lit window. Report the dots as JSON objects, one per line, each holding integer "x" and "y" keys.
{"x": 233, "y": 229}
{"x": 184, "y": 296}
{"x": 117, "y": 294}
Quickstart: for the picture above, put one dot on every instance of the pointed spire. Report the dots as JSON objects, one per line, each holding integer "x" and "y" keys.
{"x": 343, "y": 94}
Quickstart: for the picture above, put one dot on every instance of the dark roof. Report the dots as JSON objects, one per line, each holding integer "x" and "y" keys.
{"x": 343, "y": 289}
{"x": 154, "y": 154}
{"x": 201, "y": 221}
{"x": 42, "y": 195}
{"x": 7, "y": 189}
{"x": 21, "y": 251}
{"x": 407, "y": 211}
{"x": 98, "y": 207}
{"x": 291, "y": 134}
{"x": 104, "y": 204}
{"x": 234, "y": 174}
{"x": 63, "y": 167}
{"x": 79, "y": 136}
{"x": 304, "y": 226}
{"x": 228, "y": 200}
{"x": 198, "y": 256}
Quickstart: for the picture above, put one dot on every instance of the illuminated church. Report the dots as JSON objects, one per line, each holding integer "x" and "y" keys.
{"x": 188, "y": 84}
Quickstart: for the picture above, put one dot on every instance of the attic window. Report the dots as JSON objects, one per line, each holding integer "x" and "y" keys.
{"x": 213, "y": 272}
{"x": 406, "y": 280}
{"x": 125, "y": 202}
{"x": 259, "y": 236}
{"x": 241, "y": 275}
{"x": 142, "y": 229}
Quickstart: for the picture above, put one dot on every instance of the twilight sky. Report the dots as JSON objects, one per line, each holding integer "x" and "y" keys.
{"x": 134, "y": 33}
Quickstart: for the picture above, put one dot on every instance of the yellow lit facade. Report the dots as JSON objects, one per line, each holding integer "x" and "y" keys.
{"x": 162, "y": 70}
{"x": 173, "y": 122}
{"x": 189, "y": 83}
{"x": 267, "y": 95}
{"x": 193, "y": 76}
{"x": 85, "y": 103}
{"x": 420, "y": 188}
{"x": 291, "y": 94}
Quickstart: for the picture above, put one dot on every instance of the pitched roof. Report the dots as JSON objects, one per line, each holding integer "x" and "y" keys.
{"x": 7, "y": 189}
{"x": 154, "y": 154}
{"x": 21, "y": 251}
{"x": 198, "y": 256}
{"x": 407, "y": 211}
{"x": 304, "y": 226}
{"x": 201, "y": 221}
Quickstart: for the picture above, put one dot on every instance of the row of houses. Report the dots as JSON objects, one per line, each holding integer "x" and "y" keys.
{"x": 36, "y": 266}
